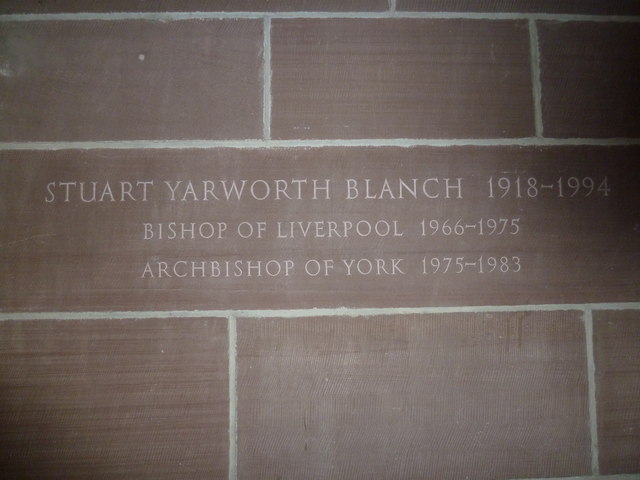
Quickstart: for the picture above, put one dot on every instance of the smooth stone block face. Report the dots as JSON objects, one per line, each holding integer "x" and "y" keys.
{"x": 131, "y": 80}
{"x": 590, "y": 73}
{"x": 38, "y": 6}
{"x": 405, "y": 78}
{"x": 617, "y": 357}
{"x": 595, "y": 7}
{"x": 484, "y": 396}
{"x": 322, "y": 227}
{"x": 114, "y": 399}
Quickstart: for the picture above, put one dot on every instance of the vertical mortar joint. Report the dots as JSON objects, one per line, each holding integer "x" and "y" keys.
{"x": 591, "y": 373}
{"x": 266, "y": 79}
{"x": 233, "y": 398}
{"x": 534, "y": 48}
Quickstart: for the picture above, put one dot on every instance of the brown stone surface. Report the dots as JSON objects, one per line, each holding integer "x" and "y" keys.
{"x": 483, "y": 396}
{"x": 76, "y": 255}
{"x": 385, "y": 78}
{"x": 114, "y": 399}
{"x": 599, "y": 7}
{"x": 617, "y": 356}
{"x": 55, "y": 6}
{"x": 590, "y": 73}
{"x": 131, "y": 80}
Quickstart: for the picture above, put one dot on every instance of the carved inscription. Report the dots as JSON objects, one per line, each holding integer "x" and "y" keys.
{"x": 319, "y": 227}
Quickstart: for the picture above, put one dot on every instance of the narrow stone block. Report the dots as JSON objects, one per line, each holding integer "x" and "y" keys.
{"x": 114, "y": 399}
{"x": 593, "y": 7}
{"x": 76, "y": 6}
{"x": 617, "y": 357}
{"x": 405, "y": 78}
{"x": 483, "y": 396}
{"x": 590, "y": 73}
{"x": 131, "y": 80}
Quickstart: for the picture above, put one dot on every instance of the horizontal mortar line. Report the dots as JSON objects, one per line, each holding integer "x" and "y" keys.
{"x": 314, "y": 312}
{"x": 622, "y": 476}
{"x": 177, "y": 16}
{"x": 258, "y": 143}
{"x": 559, "y": 17}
